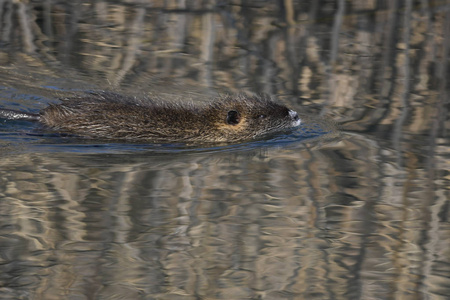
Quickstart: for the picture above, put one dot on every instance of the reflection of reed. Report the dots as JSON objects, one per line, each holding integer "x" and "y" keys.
{"x": 134, "y": 42}
{"x": 405, "y": 70}
{"x": 235, "y": 48}
{"x": 337, "y": 222}
{"x": 303, "y": 223}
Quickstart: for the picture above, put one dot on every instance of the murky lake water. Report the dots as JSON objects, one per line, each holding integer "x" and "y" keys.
{"x": 355, "y": 211}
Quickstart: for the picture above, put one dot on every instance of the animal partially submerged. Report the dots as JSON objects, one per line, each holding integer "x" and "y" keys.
{"x": 112, "y": 116}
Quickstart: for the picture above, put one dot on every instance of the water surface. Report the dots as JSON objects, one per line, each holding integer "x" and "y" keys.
{"x": 355, "y": 211}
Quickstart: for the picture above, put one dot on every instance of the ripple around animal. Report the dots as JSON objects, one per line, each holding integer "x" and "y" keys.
{"x": 28, "y": 136}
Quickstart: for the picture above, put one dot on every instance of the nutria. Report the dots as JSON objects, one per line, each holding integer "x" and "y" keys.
{"x": 112, "y": 116}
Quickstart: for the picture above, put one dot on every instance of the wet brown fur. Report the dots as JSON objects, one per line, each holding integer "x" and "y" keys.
{"x": 112, "y": 116}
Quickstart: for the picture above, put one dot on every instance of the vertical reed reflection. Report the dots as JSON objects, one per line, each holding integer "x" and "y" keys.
{"x": 365, "y": 218}
{"x": 304, "y": 52}
{"x": 305, "y": 224}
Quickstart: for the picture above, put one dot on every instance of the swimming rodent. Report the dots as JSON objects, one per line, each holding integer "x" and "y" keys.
{"x": 109, "y": 115}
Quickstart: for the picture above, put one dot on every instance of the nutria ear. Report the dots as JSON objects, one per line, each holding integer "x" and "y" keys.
{"x": 233, "y": 117}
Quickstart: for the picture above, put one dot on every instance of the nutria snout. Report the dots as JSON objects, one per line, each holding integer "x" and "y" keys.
{"x": 113, "y": 116}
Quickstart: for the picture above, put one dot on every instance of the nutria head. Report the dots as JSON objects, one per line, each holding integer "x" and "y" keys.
{"x": 241, "y": 117}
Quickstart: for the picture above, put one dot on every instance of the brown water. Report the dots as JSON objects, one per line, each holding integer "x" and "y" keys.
{"x": 356, "y": 212}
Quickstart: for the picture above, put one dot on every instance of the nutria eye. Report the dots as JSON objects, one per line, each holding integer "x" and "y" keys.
{"x": 233, "y": 117}
{"x": 261, "y": 116}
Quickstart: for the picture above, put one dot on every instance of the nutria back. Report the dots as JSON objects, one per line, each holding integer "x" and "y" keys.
{"x": 113, "y": 116}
